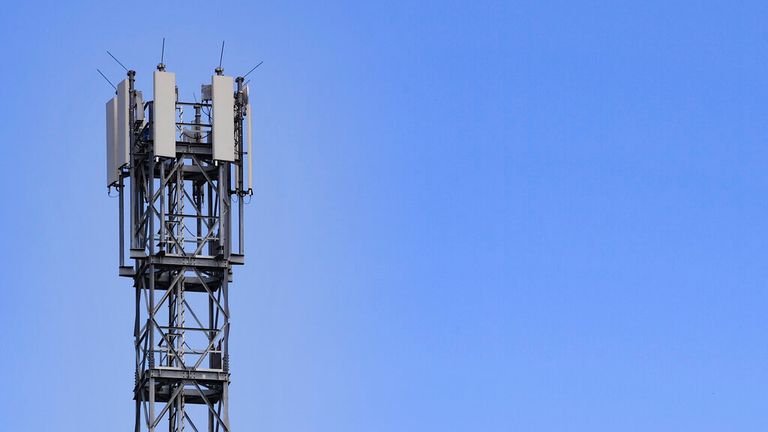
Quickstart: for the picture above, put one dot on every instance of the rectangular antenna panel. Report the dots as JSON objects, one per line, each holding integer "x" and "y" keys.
{"x": 122, "y": 147}
{"x": 164, "y": 113}
{"x": 249, "y": 114}
{"x": 223, "y": 118}
{"x": 111, "y": 140}
{"x": 205, "y": 91}
{"x": 138, "y": 100}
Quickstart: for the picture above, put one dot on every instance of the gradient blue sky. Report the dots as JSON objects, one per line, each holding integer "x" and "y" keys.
{"x": 468, "y": 216}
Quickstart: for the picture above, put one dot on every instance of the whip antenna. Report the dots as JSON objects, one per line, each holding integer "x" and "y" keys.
{"x": 219, "y": 70}
{"x": 253, "y": 69}
{"x": 118, "y": 61}
{"x": 105, "y": 77}
{"x": 161, "y": 66}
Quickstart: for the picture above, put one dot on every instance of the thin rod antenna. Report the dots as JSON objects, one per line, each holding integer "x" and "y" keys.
{"x": 253, "y": 69}
{"x": 162, "y": 52}
{"x": 221, "y": 56}
{"x": 118, "y": 61}
{"x": 105, "y": 77}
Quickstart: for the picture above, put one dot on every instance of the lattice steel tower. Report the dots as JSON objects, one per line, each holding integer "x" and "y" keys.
{"x": 185, "y": 168}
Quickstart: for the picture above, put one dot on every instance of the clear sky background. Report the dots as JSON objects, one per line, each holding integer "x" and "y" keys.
{"x": 468, "y": 216}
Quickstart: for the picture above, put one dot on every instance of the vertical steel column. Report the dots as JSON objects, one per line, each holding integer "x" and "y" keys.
{"x": 121, "y": 222}
{"x": 240, "y": 166}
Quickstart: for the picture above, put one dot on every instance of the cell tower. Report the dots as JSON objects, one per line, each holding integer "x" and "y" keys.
{"x": 181, "y": 165}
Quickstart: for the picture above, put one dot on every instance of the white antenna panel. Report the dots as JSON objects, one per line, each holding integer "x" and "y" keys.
{"x": 138, "y": 100}
{"x": 122, "y": 148}
{"x": 111, "y": 140}
{"x": 249, "y": 115}
{"x": 164, "y": 114}
{"x": 223, "y": 118}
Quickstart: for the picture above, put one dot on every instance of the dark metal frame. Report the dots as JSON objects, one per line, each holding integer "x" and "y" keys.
{"x": 180, "y": 233}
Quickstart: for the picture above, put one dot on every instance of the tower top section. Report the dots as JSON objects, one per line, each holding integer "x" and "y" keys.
{"x": 167, "y": 127}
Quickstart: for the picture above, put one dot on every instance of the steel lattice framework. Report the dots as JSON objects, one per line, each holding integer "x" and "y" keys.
{"x": 180, "y": 234}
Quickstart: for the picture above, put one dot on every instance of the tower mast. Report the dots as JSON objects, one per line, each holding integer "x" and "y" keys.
{"x": 183, "y": 236}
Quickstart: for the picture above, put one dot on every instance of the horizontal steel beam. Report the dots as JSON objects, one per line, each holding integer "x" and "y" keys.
{"x": 188, "y": 261}
{"x": 207, "y": 376}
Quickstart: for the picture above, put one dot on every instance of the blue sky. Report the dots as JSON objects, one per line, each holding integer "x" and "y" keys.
{"x": 496, "y": 216}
